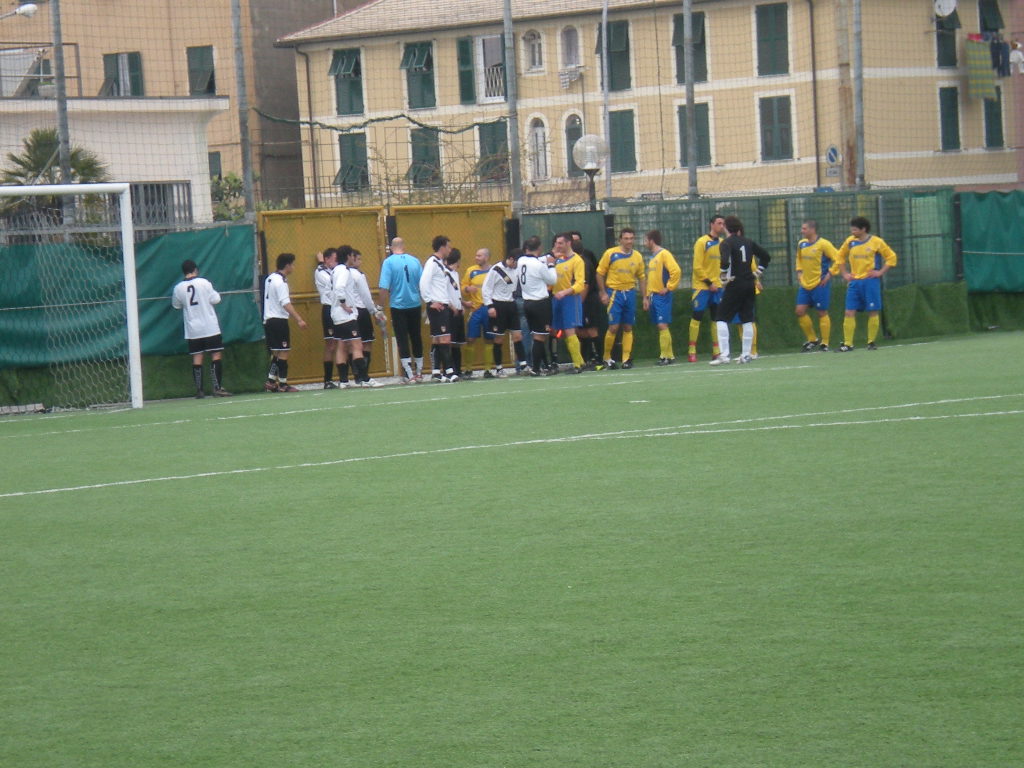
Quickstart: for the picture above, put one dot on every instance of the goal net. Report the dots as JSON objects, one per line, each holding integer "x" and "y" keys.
{"x": 68, "y": 302}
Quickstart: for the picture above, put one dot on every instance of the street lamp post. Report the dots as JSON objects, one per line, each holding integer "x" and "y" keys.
{"x": 28, "y": 10}
{"x": 589, "y": 153}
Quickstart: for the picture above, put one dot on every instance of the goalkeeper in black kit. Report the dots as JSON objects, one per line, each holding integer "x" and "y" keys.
{"x": 742, "y": 261}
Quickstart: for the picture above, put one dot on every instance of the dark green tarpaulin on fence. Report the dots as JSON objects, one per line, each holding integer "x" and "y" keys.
{"x": 993, "y": 241}
{"x": 63, "y": 302}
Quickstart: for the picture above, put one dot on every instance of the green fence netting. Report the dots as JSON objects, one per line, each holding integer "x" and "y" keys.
{"x": 993, "y": 241}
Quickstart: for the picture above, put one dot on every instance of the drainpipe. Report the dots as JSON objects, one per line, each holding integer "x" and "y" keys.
{"x": 313, "y": 159}
{"x": 814, "y": 97}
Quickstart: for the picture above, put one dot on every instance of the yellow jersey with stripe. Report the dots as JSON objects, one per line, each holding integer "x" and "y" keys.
{"x": 663, "y": 272}
{"x": 571, "y": 273}
{"x": 813, "y": 259}
{"x": 706, "y": 263}
{"x": 621, "y": 271}
{"x": 474, "y": 276}
{"x": 865, "y": 255}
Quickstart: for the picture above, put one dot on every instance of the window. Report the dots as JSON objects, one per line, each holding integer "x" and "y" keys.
{"x": 353, "y": 173}
{"x": 703, "y": 130}
{"x": 481, "y": 65}
{"x": 991, "y": 20}
{"x": 418, "y": 63}
{"x": 216, "y": 170}
{"x": 776, "y": 129}
{"x": 570, "y": 47}
{"x": 425, "y": 169}
{"x": 493, "y": 164}
{"x": 619, "y": 78}
{"x": 949, "y": 118}
{"x": 945, "y": 39}
{"x": 201, "y": 80}
{"x": 573, "y": 133}
{"x": 122, "y": 75}
{"x": 700, "y": 49}
{"x": 623, "y": 141}
{"x": 772, "y": 40}
{"x": 346, "y": 69}
{"x": 994, "y": 121}
{"x": 537, "y": 146}
{"x": 533, "y": 51}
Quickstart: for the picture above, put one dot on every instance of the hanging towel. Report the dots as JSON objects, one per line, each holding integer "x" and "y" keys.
{"x": 981, "y": 78}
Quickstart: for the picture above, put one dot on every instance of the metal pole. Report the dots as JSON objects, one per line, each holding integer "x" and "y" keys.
{"x": 691, "y": 116}
{"x": 606, "y": 124}
{"x": 60, "y": 81}
{"x": 131, "y": 299}
{"x": 242, "y": 99}
{"x": 858, "y": 93}
{"x": 511, "y": 78}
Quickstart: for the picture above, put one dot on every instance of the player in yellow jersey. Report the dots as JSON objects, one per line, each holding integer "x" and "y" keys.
{"x": 815, "y": 266}
{"x": 863, "y": 259}
{"x": 619, "y": 272}
{"x": 707, "y": 284}
{"x": 566, "y": 297}
{"x": 663, "y": 276}
{"x": 472, "y": 296}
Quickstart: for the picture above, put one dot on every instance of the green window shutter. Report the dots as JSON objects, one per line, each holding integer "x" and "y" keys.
{"x": 111, "y": 81}
{"x": 990, "y": 16}
{"x": 772, "y": 39}
{"x": 418, "y": 63}
{"x": 467, "y": 77}
{"x": 700, "y": 50}
{"x": 945, "y": 41}
{"x": 994, "y": 121}
{"x": 619, "y": 76}
{"x": 136, "y": 86}
{"x": 354, "y": 173}
{"x": 623, "y": 141}
{"x": 776, "y": 129}
{"x": 425, "y": 170}
{"x": 200, "y": 70}
{"x": 573, "y": 133}
{"x": 216, "y": 171}
{"x": 949, "y": 118}
{"x": 703, "y": 129}
{"x": 493, "y": 164}
{"x": 346, "y": 69}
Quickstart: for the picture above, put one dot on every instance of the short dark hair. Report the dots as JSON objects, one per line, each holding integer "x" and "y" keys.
{"x": 532, "y": 243}
{"x": 812, "y": 223}
{"x": 453, "y": 257}
{"x": 284, "y": 259}
{"x": 515, "y": 253}
{"x": 439, "y": 242}
{"x": 715, "y": 216}
{"x": 577, "y": 246}
{"x": 188, "y": 267}
{"x": 654, "y": 236}
{"x": 328, "y": 252}
{"x": 860, "y": 222}
{"x": 344, "y": 251}
{"x": 733, "y": 225}
{"x": 575, "y": 233}
{"x": 627, "y": 231}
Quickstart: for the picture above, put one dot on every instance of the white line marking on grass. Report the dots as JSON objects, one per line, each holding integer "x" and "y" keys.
{"x": 682, "y": 430}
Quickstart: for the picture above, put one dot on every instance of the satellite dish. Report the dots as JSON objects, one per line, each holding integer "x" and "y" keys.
{"x": 589, "y": 152}
{"x": 944, "y": 7}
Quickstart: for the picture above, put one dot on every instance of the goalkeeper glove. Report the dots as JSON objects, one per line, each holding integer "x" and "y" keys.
{"x": 726, "y": 276}
{"x": 758, "y": 271}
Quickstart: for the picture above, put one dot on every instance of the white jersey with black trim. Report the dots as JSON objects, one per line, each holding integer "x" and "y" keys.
{"x": 363, "y": 297}
{"x": 343, "y": 295}
{"x": 535, "y": 276}
{"x": 276, "y": 296}
{"x": 454, "y": 289}
{"x": 196, "y": 297}
{"x": 500, "y": 284}
{"x": 436, "y": 282}
{"x": 324, "y": 282}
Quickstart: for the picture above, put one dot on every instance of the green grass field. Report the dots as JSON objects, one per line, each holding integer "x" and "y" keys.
{"x": 812, "y": 560}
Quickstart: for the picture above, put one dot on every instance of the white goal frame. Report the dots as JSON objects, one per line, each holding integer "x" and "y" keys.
{"x": 131, "y": 295}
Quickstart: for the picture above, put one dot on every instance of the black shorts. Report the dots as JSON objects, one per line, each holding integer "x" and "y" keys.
{"x": 738, "y": 299}
{"x": 506, "y": 318}
{"x": 326, "y": 322}
{"x": 440, "y": 320}
{"x": 209, "y": 344}
{"x": 365, "y": 321}
{"x": 347, "y": 331}
{"x": 593, "y": 309}
{"x": 538, "y": 315}
{"x": 458, "y": 327}
{"x": 278, "y": 334}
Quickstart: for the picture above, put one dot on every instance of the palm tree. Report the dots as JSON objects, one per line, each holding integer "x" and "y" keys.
{"x": 38, "y": 163}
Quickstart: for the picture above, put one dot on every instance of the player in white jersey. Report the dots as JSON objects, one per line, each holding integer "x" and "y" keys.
{"x": 345, "y": 315}
{"x": 436, "y": 291}
{"x": 277, "y": 308}
{"x": 499, "y": 295}
{"x": 458, "y": 313}
{"x": 195, "y": 296}
{"x": 536, "y": 275}
{"x": 367, "y": 312}
{"x": 324, "y": 282}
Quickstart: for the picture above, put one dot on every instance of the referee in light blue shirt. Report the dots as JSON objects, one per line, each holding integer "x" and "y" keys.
{"x": 400, "y": 286}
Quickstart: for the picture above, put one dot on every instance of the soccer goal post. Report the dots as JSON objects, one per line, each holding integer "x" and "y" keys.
{"x": 69, "y": 298}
